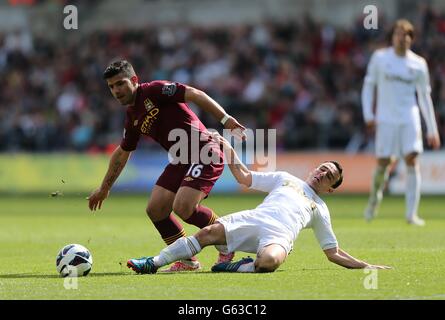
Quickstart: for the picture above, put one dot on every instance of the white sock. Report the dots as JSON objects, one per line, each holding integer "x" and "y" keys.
{"x": 183, "y": 248}
{"x": 248, "y": 267}
{"x": 412, "y": 197}
{"x": 380, "y": 177}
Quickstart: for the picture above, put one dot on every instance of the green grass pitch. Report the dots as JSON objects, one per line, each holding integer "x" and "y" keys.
{"x": 34, "y": 228}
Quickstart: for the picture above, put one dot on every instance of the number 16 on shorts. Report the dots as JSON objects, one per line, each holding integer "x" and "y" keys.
{"x": 195, "y": 170}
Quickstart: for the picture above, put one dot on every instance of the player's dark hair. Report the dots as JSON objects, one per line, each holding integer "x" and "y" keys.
{"x": 121, "y": 66}
{"x": 340, "y": 170}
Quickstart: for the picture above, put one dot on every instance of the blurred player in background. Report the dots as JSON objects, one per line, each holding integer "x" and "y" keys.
{"x": 398, "y": 73}
{"x": 270, "y": 229}
{"x": 154, "y": 109}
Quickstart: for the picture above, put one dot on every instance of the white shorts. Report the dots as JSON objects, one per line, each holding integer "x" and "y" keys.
{"x": 252, "y": 230}
{"x": 393, "y": 140}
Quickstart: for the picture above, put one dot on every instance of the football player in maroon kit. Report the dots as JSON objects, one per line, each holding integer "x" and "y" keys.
{"x": 155, "y": 109}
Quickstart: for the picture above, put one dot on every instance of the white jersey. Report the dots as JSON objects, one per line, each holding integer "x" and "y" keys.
{"x": 397, "y": 79}
{"x": 297, "y": 204}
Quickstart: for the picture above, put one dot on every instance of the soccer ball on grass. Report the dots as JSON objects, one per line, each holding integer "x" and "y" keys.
{"x": 74, "y": 260}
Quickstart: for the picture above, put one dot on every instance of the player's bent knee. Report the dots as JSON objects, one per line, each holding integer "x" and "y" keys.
{"x": 265, "y": 267}
{"x": 267, "y": 263}
{"x": 157, "y": 213}
{"x": 270, "y": 258}
{"x": 183, "y": 209}
{"x": 213, "y": 234}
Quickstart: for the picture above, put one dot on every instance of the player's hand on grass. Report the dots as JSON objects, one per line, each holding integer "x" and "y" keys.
{"x": 236, "y": 128}
{"x": 96, "y": 198}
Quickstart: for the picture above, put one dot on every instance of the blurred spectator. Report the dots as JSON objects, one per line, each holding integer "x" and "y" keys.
{"x": 302, "y": 78}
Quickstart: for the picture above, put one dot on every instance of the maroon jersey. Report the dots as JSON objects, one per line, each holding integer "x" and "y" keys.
{"x": 159, "y": 108}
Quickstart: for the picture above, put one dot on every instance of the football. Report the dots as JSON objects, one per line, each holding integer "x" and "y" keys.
{"x": 74, "y": 260}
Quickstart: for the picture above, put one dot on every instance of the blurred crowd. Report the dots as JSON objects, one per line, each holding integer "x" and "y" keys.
{"x": 302, "y": 78}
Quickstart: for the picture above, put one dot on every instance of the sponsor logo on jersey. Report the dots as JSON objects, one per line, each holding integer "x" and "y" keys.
{"x": 188, "y": 179}
{"x": 149, "y": 120}
{"x": 148, "y": 104}
{"x": 397, "y": 78}
{"x": 169, "y": 89}
{"x": 300, "y": 191}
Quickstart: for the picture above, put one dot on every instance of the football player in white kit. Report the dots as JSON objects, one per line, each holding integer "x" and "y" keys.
{"x": 398, "y": 73}
{"x": 270, "y": 229}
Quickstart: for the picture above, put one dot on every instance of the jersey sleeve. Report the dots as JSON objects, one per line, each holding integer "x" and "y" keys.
{"x": 368, "y": 89}
{"x": 130, "y": 138}
{"x": 266, "y": 181}
{"x": 323, "y": 230}
{"x": 165, "y": 92}
{"x": 372, "y": 70}
{"x": 423, "y": 81}
{"x": 424, "y": 98}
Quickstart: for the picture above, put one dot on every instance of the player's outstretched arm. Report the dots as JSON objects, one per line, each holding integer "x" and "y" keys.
{"x": 241, "y": 173}
{"x": 342, "y": 258}
{"x": 118, "y": 161}
{"x": 206, "y": 103}
{"x": 427, "y": 109}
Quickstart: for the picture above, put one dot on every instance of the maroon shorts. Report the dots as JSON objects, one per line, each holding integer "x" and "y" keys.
{"x": 197, "y": 176}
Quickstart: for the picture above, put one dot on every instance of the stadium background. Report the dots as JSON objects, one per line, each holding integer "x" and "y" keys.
{"x": 296, "y": 66}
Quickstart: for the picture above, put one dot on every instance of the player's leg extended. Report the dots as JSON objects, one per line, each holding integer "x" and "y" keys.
{"x": 412, "y": 146}
{"x": 182, "y": 249}
{"x": 187, "y": 206}
{"x": 185, "y": 248}
{"x": 380, "y": 177}
{"x": 387, "y": 146}
{"x": 159, "y": 210}
{"x": 412, "y": 194}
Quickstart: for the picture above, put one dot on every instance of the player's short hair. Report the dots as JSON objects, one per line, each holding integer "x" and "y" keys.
{"x": 340, "y": 170}
{"x": 405, "y": 25}
{"x": 121, "y": 66}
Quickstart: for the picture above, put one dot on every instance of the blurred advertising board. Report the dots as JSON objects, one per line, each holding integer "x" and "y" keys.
{"x": 432, "y": 171}
{"x": 47, "y": 173}
{"x": 82, "y": 173}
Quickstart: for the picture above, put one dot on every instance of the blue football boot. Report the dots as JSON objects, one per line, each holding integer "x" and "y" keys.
{"x": 142, "y": 265}
{"x": 231, "y": 266}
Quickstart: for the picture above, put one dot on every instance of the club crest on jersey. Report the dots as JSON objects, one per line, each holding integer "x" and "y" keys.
{"x": 135, "y": 123}
{"x": 169, "y": 89}
{"x": 148, "y": 104}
